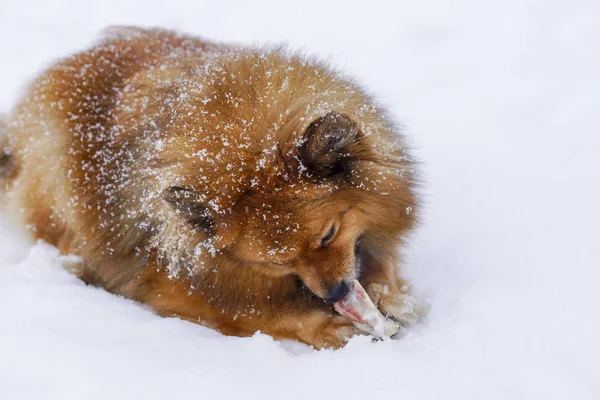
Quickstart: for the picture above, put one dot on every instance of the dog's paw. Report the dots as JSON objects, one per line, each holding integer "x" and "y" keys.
{"x": 397, "y": 305}
{"x": 335, "y": 333}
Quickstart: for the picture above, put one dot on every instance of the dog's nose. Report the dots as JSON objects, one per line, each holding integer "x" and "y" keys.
{"x": 337, "y": 292}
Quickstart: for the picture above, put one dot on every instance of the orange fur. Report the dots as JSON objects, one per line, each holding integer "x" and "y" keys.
{"x": 201, "y": 179}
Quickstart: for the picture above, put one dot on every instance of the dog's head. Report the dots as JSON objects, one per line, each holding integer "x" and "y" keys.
{"x": 305, "y": 176}
{"x": 320, "y": 210}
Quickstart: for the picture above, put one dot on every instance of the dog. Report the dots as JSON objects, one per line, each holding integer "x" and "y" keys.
{"x": 238, "y": 188}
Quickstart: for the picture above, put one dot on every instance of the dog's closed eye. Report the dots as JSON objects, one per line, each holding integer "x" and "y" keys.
{"x": 328, "y": 238}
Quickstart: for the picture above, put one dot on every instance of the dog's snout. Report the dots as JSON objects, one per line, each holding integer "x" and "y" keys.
{"x": 337, "y": 292}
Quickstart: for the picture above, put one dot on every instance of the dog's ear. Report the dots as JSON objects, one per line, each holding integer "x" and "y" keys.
{"x": 327, "y": 143}
{"x": 186, "y": 202}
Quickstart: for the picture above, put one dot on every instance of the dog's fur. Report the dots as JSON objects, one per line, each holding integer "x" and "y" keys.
{"x": 204, "y": 181}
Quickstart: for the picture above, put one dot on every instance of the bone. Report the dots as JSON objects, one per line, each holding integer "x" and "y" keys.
{"x": 358, "y": 307}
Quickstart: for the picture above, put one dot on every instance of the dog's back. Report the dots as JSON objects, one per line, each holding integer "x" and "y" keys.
{"x": 59, "y": 127}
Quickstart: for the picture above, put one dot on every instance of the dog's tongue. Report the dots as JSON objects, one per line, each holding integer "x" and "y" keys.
{"x": 358, "y": 307}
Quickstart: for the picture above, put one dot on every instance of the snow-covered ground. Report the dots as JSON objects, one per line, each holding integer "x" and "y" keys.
{"x": 501, "y": 100}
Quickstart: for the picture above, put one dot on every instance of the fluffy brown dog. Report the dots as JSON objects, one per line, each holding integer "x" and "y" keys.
{"x": 238, "y": 188}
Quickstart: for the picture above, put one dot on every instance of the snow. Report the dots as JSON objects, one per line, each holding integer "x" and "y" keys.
{"x": 500, "y": 100}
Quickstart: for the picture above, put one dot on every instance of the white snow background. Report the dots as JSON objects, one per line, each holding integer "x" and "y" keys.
{"x": 501, "y": 101}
